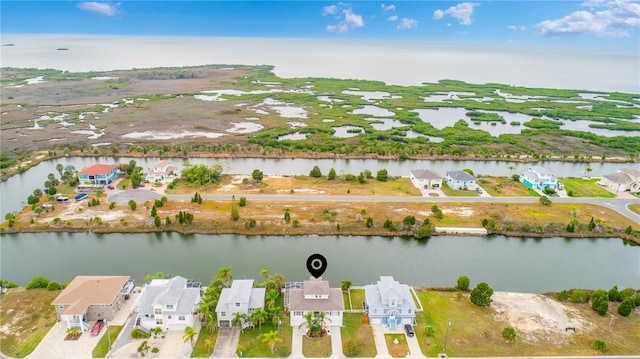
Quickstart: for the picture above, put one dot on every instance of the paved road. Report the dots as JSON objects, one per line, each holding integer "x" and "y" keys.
{"x": 617, "y": 204}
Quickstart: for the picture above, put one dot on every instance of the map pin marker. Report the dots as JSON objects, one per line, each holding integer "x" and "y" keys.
{"x": 316, "y": 265}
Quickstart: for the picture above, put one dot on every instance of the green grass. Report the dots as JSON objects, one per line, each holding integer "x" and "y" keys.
{"x": 399, "y": 350}
{"x": 357, "y": 298}
{"x": 251, "y": 340}
{"x": 345, "y": 300}
{"x": 457, "y": 192}
{"x": 199, "y": 349}
{"x": 354, "y": 330}
{"x": 316, "y": 347}
{"x": 102, "y": 348}
{"x": 585, "y": 188}
{"x": 635, "y": 207}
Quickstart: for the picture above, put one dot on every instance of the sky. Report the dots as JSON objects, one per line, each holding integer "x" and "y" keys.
{"x": 591, "y": 24}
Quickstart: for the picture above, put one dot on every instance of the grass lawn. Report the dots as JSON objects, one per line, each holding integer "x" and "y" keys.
{"x": 399, "y": 350}
{"x": 503, "y": 186}
{"x": 316, "y": 347}
{"x": 635, "y": 207}
{"x": 357, "y": 298}
{"x": 585, "y": 188}
{"x": 251, "y": 340}
{"x": 102, "y": 348}
{"x": 200, "y": 349}
{"x": 472, "y": 326}
{"x": 354, "y": 330}
{"x": 457, "y": 192}
{"x": 26, "y": 317}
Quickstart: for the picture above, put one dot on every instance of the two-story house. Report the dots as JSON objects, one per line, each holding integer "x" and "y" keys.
{"x": 162, "y": 171}
{"x": 625, "y": 179}
{"x": 90, "y": 298}
{"x": 170, "y": 304}
{"x": 461, "y": 180}
{"x": 241, "y": 298}
{"x": 315, "y": 296}
{"x": 390, "y": 303}
{"x": 98, "y": 174}
{"x": 538, "y": 178}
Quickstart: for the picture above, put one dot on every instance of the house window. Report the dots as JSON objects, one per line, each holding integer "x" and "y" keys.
{"x": 169, "y": 317}
{"x": 237, "y": 304}
{"x": 181, "y": 318}
{"x": 169, "y": 306}
{"x": 159, "y": 321}
{"x": 223, "y": 314}
{"x": 61, "y": 306}
{"x": 157, "y": 311}
{"x": 297, "y": 314}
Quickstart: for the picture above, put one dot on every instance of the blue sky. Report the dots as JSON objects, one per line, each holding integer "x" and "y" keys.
{"x": 591, "y": 23}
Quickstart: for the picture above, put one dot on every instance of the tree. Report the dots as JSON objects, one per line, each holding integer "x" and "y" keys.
{"x": 315, "y": 172}
{"x": 242, "y": 202}
{"x": 600, "y": 301}
{"x": 271, "y": 299}
{"x": 614, "y": 294}
{"x": 408, "y": 222}
{"x": 600, "y": 345}
{"x": 265, "y": 273}
{"x": 626, "y": 307}
{"x": 258, "y": 316}
{"x": 225, "y": 275}
{"x": 545, "y": 201}
{"x": 332, "y": 174}
{"x": 345, "y": 285}
{"x": 509, "y": 334}
{"x": 133, "y": 205}
{"x": 272, "y": 340}
{"x": 382, "y": 175}
{"x": 463, "y": 283}
{"x": 208, "y": 345}
{"x": 589, "y": 169}
{"x": 38, "y": 282}
{"x": 154, "y": 211}
{"x": 369, "y": 223}
{"x": 287, "y": 215}
{"x": 234, "y": 213}
{"x": 511, "y": 168}
{"x": 423, "y": 232}
{"x": 481, "y": 295}
{"x": 239, "y": 318}
{"x": 202, "y": 174}
{"x": 429, "y": 332}
{"x": 60, "y": 168}
{"x": 257, "y": 175}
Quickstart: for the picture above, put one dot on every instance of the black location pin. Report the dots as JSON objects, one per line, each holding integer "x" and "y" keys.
{"x": 316, "y": 264}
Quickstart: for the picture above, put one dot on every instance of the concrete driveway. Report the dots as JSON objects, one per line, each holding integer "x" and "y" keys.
{"x": 53, "y": 345}
{"x": 227, "y": 343}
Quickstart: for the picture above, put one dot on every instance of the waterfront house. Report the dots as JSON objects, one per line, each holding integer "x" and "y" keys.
{"x": 170, "y": 304}
{"x": 90, "y": 298}
{"x": 162, "y": 171}
{"x": 460, "y": 180}
{"x": 241, "y": 298}
{"x": 314, "y": 296}
{"x": 98, "y": 174}
{"x": 426, "y": 179}
{"x": 389, "y": 303}
{"x": 539, "y": 178}
{"x": 625, "y": 179}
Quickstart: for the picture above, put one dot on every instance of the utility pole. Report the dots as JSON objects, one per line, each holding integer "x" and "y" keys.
{"x": 446, "y": 335}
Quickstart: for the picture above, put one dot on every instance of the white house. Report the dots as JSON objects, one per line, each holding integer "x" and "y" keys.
{"x": 390, "y": 303}
{"x": 242, "y": 298}
{"x": 162, "y": 171}
{"x": 315, "y": 296}
{"x": 168, "y": 303}
{"x": 461, "y": 180}
{"x": 626, "y": 179}
{"x": 537, "y": 177}
{"x": 426, "y": 179}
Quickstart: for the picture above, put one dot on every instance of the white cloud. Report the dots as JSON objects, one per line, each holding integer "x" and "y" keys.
{"x": 329, "y": 10}
{"x": 392, "y": 18}
{"x": 350, "y": 20}
{"x": 605, "y": 18}
{"x": 102, "y": 8}
{"x": 388, "y": 7}
{"x": 462, "y": 12}
{"x": 517, "y": 28}
{"x": 406, "y": 24}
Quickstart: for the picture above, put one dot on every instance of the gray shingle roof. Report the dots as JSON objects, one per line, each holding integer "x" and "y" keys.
{"x": 426, "y": 174}
{"x": 299, "y": 303}
{"x": 460, "y": 176}
{"x": 174, "y": 291}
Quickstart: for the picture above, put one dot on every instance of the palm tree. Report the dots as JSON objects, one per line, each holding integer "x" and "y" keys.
{"x": 225, "y": 274}
{"x": 322, "y": 319}
{"x": 589, "y": 169}
{"x": 312, "y": 324}
{"x": 511, "y": 168}
{"x": 272, "y": 340}
{"x": 265, "y": 273}
{"x": 270, "y": 299}
{"x": 60, "y": 168}
{"x": 258, "y": 316}
{"x": 208, "y": 345}
{"x": 189, "y": 334}
{"x": 239, "y": 318}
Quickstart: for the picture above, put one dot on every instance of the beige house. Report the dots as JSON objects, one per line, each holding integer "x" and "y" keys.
{"x": 89, "y": 298}
{"x": 315, "y": 296}
{"x": 626, "y": 179}
{"x": 426, "y": 179}
{"x": 162, "y": 171}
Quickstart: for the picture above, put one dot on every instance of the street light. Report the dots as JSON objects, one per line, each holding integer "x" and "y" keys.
{"x": 446, "y": 335}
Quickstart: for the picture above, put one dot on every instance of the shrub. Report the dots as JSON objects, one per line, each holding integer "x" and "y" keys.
{"x": 287, "y": 215}
{"x": 580, "y": 296}
{"x": 7, "y": 284}
{"x": 509, "y": 334}
{"x": 133, "y": 205}
{"x": 423, "y": 232}
{"x": 626, "y": 307}
{"x": 38, "y": 282}
{"x": 242, "y": 202}
{"x": 382, "y": 175}
{"x": 112, "y": 205}
{"x": 600, "y": 345}
{"x": 369, "y": 223}
{"x": 257, "y": 175}
{"x": 463, "y": 283}
{"x": 156, "y": 220}
{"x": 53, "y": 285}
{"x": 315, "y": 172}
{"x": 545, "y": 201}
{"x": 139, "y": 334}
{"x": 332, "y": 174}
{"x": 563, "y": 295}
{"x": 350, "y": 348}
{"x": 614, "y": 294}
{"x": 155, "y": 349}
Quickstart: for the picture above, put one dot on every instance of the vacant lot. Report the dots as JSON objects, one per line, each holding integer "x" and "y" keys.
{"x": 357, "y": 337}
{"x": 585, "y": 188}
{"x": 502, "y": 186}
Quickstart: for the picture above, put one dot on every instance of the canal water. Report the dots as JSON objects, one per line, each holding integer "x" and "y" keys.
{"x": 507, "y": 264}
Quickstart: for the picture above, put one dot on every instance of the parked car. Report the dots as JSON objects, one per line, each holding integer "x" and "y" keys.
{"x": 110, "y": 186}
{"x": 479, "y": 190}
{"x": 409, "y": 329}
{"x": 97, "y": 327}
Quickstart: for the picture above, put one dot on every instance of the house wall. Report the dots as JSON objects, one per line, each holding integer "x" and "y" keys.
{"x": 470, "y": 185}
{"x": 335, "y": 317}
{"x": 612, "y": 185}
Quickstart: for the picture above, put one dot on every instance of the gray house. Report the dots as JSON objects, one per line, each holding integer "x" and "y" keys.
{"x": 240, "y": 298}
{"x": 426, "y": 179}
{"x": 170, "y": 304}
{"x": 460, "y": 180}
{"x": 390, "y": 303}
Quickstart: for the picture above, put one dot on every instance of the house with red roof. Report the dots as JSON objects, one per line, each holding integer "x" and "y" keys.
{"x": 98, "y": 174}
